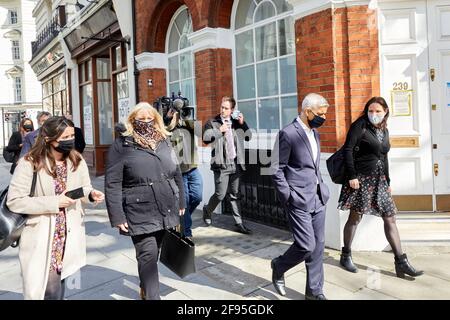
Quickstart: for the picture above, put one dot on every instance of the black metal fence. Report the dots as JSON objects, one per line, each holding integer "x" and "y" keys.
{"x": 258, "y": 197}
{"x": 49, "y": 33}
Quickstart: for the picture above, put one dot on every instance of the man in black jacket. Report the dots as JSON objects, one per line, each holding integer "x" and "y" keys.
{"x": 226, "y": 132}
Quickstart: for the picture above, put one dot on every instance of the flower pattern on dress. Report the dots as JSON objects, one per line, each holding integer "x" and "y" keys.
{"x": 373, "y": 196}
{"x": 59, "y": 237}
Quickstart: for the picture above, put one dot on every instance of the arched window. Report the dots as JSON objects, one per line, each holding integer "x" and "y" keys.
{"x": 264, "y": 59}
{"x": 181, "y": 59}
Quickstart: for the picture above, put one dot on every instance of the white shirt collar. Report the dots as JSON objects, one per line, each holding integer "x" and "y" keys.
{"x": 304, "y": 126}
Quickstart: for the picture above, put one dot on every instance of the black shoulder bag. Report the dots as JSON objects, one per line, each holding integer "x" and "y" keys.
{"x": 336, "y": 162}
{"x": 11, "y": 223}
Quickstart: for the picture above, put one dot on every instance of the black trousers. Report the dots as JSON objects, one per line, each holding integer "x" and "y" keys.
{"x": 147, "y": 251}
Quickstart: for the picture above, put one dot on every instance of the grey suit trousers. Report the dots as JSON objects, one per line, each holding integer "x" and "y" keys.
{"x": 227, "y": 181}
{"x": 308, "y": 229}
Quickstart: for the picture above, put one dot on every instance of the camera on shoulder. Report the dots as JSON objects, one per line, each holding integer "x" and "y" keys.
{"x": 167, "y": 106}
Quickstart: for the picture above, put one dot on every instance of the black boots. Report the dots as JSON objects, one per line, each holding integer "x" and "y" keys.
{"x": 402, "y": 267}
{"x": 346, "y": 260}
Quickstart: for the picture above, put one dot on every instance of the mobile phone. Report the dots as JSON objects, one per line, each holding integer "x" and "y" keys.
{"x": 75, "y": 194}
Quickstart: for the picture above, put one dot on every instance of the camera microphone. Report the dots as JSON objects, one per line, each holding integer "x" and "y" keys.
{"x": 178, "y": 104}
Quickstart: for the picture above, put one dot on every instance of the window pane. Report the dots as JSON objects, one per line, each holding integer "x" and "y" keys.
{"x": 57, "y": 105}
{"x": 89, "y": 71}
{"x": 118, "y": 51}
{"x": 186, "y": 65}
{"x": 86, "y": 97}
{"x": 249, "y": 110}
{"x": 269, "y": 117}
{"x": 184, "y": 42}
{"x": 289, "y": 110}
{"x": 267, "y": 75}
{"x": 123, "y": 100}
{"x": 244, "y": 48}
{"x": 173, "y": 40}
{"x": 182, "y": 22}
{"x": 286, "y": 36}
{"x": 105, "y": 112}
{"x": 244, "y": 13}
{"x": 288, "y": 75}
{"x": 264, "y": 11}
{"x": 47, "y": 104}
{"x": 246, "y": 82}
{"x": 173, "y": 69}
{"x": 266, "y": 42}
{"x": 282, "y": 6}
{"x": 122, "y": 85}
{"x": 102, "y": 68}
{"x": 47, "y": 88}
{"x": 187, "y": 90}
{"x": 174, "y": 88}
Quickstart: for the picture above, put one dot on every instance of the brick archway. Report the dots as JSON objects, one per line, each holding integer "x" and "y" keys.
{"x": 218, "y": 13}
{"x": 153, "y": 22}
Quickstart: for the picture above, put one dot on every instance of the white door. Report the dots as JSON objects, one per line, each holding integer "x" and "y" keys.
{"x": 439, "y": 79}
{"x": 404, "y": 65}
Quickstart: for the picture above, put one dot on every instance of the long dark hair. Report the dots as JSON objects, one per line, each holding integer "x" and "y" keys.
{"x": 22, "y": 122}
{"x": 52, "y": 129}
{"x": 383, "y": 103}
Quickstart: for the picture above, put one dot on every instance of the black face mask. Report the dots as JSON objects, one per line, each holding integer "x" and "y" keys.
{"x": 28, "y": 127}
{"x": 65, "y": 146}
{"x": 316, "y": 122}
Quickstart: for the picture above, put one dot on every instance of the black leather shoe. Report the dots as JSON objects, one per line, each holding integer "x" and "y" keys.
{"x": 277, "y": 279}
{"x": 243, "y": 229}
{"x": 206, "y": 217}
{"x": 318, "y": 297}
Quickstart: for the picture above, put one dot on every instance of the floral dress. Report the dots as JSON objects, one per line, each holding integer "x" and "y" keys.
{"x": 59, "y": 237}
{"x": 373, "y": 196}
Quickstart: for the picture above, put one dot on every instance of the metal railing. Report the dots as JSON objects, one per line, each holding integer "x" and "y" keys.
{"x": 49, "y": 33}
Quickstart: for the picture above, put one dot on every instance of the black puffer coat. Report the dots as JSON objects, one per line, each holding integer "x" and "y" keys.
{"x": 143, "y": 187}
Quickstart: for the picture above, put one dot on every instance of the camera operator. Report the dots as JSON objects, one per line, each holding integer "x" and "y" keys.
{"x": 180, "y": 122}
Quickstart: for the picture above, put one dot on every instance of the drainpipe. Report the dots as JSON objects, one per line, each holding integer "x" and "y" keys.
{"x": 136, "y": 71}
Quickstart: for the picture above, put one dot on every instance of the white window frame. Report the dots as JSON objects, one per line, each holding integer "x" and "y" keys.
{"x": 253, "y": 27}
{"x": 13, "y": 15}
{"x": 179, "y": 53}
{"x": 18, "y": 89}
{"x": 15, "y": 49}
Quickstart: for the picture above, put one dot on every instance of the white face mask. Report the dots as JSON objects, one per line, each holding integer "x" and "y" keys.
{"x": 376, "y": 119}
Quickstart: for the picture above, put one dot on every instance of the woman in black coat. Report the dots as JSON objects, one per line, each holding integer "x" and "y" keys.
{"x": 144, "y": 190}
{"x": 368, "y": 189}
{"x": 15, "y": 141}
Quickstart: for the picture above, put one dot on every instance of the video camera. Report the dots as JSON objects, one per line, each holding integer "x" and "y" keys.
{"x": 173, "y": 104}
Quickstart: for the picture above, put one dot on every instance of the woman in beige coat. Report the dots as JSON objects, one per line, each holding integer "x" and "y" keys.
{"x": 52, "y": 245}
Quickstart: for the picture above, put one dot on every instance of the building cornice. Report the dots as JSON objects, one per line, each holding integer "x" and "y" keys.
{"x": 211, "y": 38}
{"x": 151, "y": 60}
{"x": 304, "y": 8}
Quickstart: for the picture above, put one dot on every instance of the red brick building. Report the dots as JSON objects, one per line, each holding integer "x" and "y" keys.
{"x": 269, "y": 54}
{"x": 333, "y": 52}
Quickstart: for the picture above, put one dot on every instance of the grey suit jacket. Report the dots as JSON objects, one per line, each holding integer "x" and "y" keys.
{"x": 294, "y": 172}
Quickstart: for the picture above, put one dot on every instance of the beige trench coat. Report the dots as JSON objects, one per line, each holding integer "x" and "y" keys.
{"x": 36, "y": 239}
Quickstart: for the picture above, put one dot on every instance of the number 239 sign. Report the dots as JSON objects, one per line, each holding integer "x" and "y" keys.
{"x": 401, "y": 99}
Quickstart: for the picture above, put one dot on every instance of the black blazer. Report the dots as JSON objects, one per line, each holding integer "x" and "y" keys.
{"x": 364, "y": 160}
{"x": 80, "y": 144}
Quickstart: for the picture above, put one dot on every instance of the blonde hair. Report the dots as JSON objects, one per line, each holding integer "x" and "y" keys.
{"x": 158, "y": 124}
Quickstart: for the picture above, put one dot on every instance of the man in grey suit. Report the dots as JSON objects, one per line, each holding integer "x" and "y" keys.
{"x": 302, "y": 192}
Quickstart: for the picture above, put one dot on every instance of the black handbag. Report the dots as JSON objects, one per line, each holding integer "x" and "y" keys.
{"x": 11, "y": 223}
{"x": 8, "y": 155}
{"x": 336, "y": 163}
{"x": 178, "y": 252}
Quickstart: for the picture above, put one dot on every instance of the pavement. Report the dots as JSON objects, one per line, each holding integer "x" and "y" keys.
{"x": 234, "y": 266}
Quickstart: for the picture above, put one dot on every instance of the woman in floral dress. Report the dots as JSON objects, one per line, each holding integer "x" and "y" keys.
{"x": 52, "y": 243}
{"x": 368, "y": 188}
